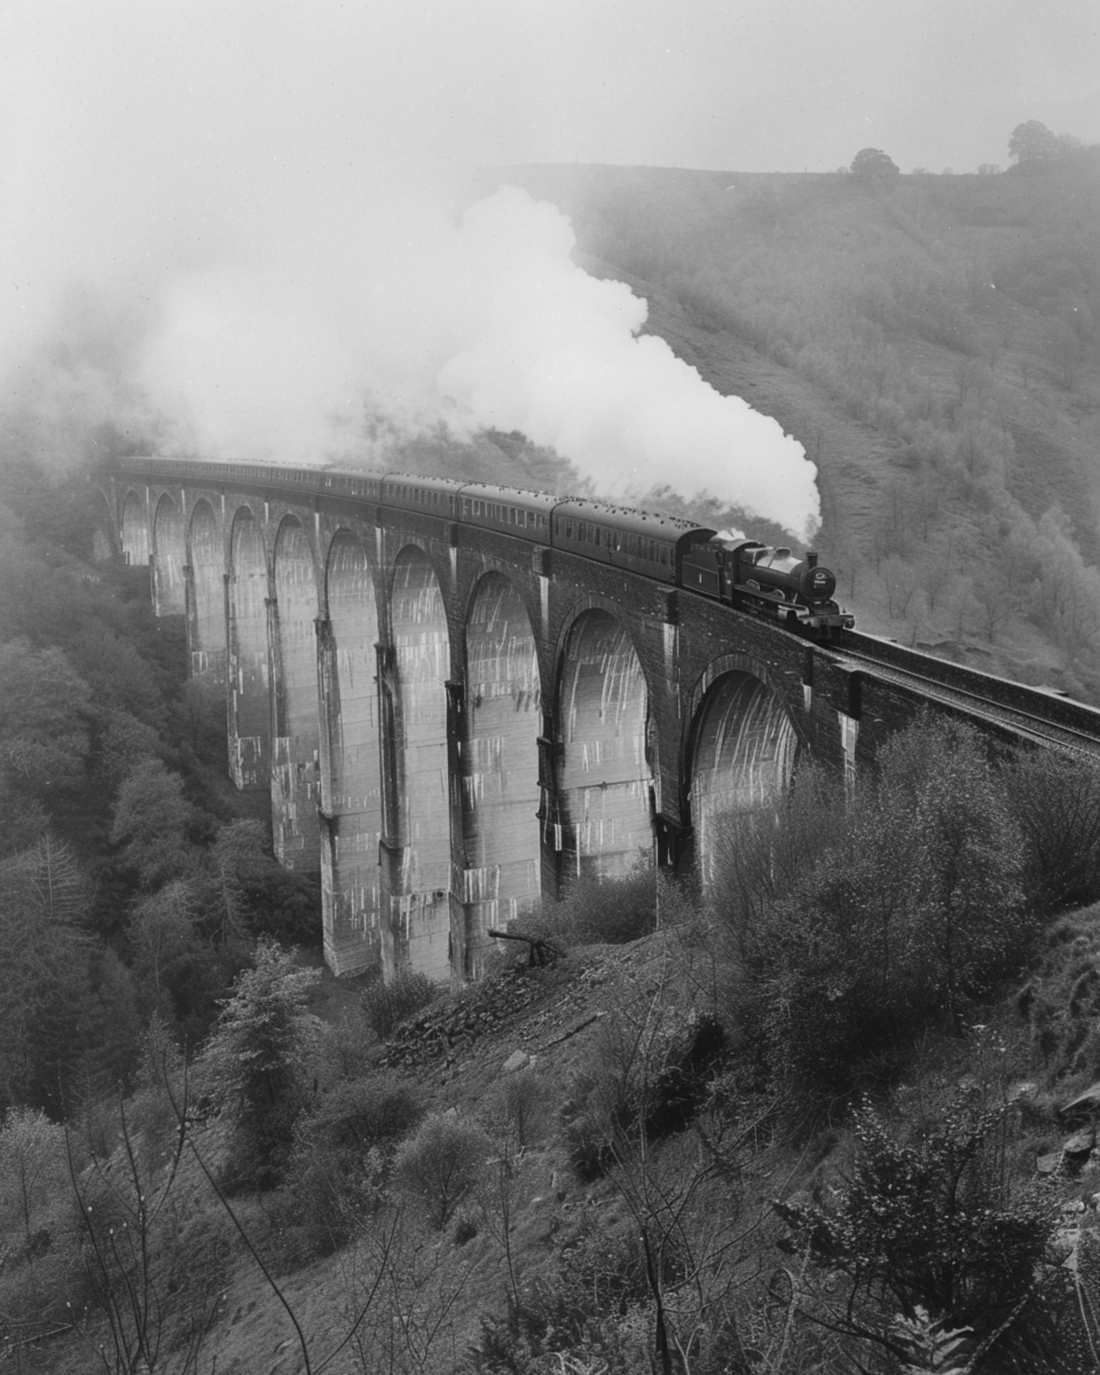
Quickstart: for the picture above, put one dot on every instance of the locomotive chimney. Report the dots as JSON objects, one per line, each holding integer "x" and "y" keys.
{"x": 811, "y": 558}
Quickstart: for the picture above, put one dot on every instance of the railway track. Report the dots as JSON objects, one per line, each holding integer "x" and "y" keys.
{"x": 1035, "y": 714}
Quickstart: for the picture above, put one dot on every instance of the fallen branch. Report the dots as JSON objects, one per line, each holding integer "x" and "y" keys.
{"x": 540, "y": 951}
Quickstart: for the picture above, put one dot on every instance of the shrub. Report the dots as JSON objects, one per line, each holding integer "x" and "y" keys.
{"x": 1056, "y": 803}
{"x": 342, "y": 1156}
{"x": 40, "y": 1265}
{"x": 906, "y": 906}
{"x": 594, "y": 1311}
{"x": 388, "y": 1004}
{"x": 522, "y": 1099}
{"x": 1062, "y": 999}
{"x": 647, "y": 1077}
{"x": 361, "y": 1113}
{"x": 931, "y": 1224}
{"x": 160, "y": 1089}
{"x": 604, "y": 911}
{"x": 441, "y": 1165}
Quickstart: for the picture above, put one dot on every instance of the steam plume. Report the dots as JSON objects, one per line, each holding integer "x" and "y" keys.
{"x": 258, "y": 217}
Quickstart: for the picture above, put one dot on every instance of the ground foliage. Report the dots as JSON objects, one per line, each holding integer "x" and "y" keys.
{"x": 859, "y": 922}
{"x": 931, "y": 1224}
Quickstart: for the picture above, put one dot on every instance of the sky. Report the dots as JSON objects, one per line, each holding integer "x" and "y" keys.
{"x": 239, "y": 217}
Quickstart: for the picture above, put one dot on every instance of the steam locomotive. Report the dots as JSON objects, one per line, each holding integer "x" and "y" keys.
{"x": 772, "y": 583}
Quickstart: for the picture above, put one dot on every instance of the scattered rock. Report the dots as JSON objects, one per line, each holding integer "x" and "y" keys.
{"x": 517, "y": 1060}
{"x": 1049, "y": 1164}
{"x": 1080, "y": 1144}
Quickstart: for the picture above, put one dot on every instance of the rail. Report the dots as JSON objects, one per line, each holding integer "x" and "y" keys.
{"x": 1032, "y": 712}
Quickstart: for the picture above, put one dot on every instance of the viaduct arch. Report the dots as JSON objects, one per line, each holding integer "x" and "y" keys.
{"x": 452, "y": 726}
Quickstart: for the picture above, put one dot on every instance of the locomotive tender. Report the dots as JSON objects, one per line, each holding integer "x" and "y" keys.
{"x": 772, "y": 583}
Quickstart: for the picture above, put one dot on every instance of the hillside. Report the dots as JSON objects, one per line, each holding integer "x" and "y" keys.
{"x": 843, "y": 1116}
{"x": 535, "y": 1058}
{"x": 933, "y": 346}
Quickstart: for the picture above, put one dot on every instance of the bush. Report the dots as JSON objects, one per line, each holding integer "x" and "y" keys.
{"x": 594, "y": 1311}
{"x": 604, "y": 911}
{"x": 40, "y": 1263}
{"x": 521, "y": 1098}
{"x": 932, "y": 1224}
{"x": 906, "y": 906}
{"x": 342, "y": 1156}
{"x": 1056, "y": 804}
{"x": 1062, "y": 999}
{"x": 388, "y": 1004}
{"x": 647, "y": 1077}
{"x": 441, "y": 1165}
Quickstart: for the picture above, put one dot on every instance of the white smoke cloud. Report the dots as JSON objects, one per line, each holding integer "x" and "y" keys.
{"x": 268, "y": 205}
{"x": 555, "y": 353}
{"x": 486, "y": 324}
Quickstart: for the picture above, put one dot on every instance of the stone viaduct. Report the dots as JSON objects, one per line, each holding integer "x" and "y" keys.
{"x": 453, "y": 722}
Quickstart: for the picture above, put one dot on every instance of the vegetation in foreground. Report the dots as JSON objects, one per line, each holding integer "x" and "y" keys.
{"x": 801, "y": 1129}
